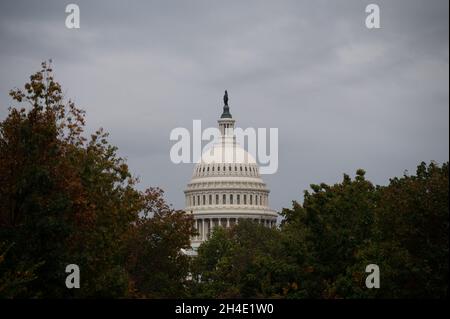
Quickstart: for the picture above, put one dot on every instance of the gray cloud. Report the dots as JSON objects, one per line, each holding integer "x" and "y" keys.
{"x": 342, "y": 96}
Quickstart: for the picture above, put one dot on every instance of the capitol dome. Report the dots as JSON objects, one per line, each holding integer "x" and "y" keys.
{"x": 226, "y": 186}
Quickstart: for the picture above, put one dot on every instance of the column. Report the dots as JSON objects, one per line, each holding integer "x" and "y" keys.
{"x": 203, "y": 229}
{"x": 228, "y": 222}
{"x": 196, "y": 228}
{"x": 209, "y": 227}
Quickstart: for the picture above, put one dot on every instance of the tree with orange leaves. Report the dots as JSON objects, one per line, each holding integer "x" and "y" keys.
{"x": 65, "y": 199}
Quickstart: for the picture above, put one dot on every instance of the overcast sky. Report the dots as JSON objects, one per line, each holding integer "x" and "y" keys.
{"x": 342, "y": 96}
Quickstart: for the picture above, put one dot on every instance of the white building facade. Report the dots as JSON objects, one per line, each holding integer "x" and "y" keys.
{"x": 226, "y": 186}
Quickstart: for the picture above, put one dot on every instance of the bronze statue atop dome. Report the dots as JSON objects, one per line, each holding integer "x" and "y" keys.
{"x": 226, "y": 109}
{"x": 225, "y": 98}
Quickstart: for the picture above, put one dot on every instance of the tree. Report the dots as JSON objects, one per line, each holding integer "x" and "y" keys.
{"x": 246, "y": 261}
{"x": 402, "y": 228}
{"x": 155, "y": 262}
{"x": 40, "y": 194}
{"x": 326, "y": 232}
{"x": 68, "y": 200}
{"x": 13, "y": 282}
{"x": 411, "y": 241}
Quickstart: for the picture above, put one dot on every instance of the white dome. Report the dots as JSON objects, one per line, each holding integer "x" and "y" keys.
{"x": 226, "y": 151}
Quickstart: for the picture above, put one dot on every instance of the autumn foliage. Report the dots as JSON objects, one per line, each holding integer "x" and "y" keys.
{"x": 66, "y": 199}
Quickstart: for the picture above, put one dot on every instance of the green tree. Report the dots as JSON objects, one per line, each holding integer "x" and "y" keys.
{"x": 402, "y": 228}
{"x": 245, "y": 261}
{"x": 411, "y": 241}
{"x": 326, "y": 232}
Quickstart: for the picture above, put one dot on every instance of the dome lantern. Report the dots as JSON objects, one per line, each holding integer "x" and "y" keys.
{"x": 226, "y": 122}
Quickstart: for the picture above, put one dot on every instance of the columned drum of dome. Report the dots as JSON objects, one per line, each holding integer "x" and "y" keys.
{"x": 226, "y": 186}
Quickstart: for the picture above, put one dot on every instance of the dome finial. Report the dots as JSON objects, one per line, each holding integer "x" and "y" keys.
{"x": 226, "y": 109}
